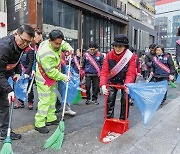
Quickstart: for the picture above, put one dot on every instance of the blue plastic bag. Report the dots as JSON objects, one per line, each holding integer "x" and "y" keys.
{"x": 178, "y": 78}
{"x": 21, "y": 88}
{"x": 72, "y": 87}
{"x": 11, "y": 82}
{"x": 148, "y": 97}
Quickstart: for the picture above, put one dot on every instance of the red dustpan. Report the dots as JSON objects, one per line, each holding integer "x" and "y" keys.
{"x": 114, "y": 126}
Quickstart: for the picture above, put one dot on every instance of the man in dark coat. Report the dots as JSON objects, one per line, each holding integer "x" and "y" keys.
{"x": 148, "y": 58}
{"x": 11, "y": 49}
{"x": 178, "y": 47}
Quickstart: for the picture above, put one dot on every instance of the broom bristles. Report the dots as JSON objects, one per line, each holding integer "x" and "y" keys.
{"x": 172, "y": 84}
{"x": 56, "y": 139}
{"x": 7, "y": 149}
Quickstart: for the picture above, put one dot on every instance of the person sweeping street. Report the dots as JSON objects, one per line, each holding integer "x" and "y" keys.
{"x": 11, "y": 49}
{"x": 47, "y": 73}
{"x": 56, "y": 139}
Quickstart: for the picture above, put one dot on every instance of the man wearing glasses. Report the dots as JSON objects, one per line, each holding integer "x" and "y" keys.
{"x": 11, "y": 49}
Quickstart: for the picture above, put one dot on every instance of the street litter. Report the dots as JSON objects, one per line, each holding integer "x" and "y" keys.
{"x": 111, "y": 136}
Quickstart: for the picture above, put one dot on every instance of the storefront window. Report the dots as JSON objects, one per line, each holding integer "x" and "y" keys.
{"x": 65, "y": 17}
{"x": 60, "y": 15}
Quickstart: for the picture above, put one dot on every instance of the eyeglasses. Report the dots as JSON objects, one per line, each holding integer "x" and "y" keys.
{"x": 27, "y": 42}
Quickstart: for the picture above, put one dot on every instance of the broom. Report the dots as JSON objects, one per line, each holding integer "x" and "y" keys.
{"x": 56, "y": 139}
{"x": 172, "y": 84}
{"x": 7, "y": 143}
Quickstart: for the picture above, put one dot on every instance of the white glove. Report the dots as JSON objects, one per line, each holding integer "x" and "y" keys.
{"x": 67, "y": 79}
{"x": 171, "y": 77}
{"x": 126, "y": 90}
{"x": 16, "y": 77}
{"x": 33, "y": 73}
{"x": 11, "y": 97}
{"x": 104, "y": 90}
{"x": 26, "y": 76}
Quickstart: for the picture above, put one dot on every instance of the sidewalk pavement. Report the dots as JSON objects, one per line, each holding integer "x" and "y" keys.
{"x": 161, "y": 136}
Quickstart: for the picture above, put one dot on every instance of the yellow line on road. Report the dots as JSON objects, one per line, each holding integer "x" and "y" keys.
{"x": 24, "y": 129}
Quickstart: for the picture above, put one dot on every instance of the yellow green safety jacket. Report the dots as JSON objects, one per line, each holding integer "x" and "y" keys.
{"x": 49, "y": 60}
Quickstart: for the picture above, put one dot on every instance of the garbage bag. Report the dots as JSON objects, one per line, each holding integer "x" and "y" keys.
{"x": 72, "y": 86}
{"x": 178, "y": 78}
{"x": 148, "y": 97}
{"x": 11, "y": 82}
{"x": 21, "y": 88}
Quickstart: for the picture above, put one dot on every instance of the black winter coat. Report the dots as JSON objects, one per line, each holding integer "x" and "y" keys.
{"x": 9, "y": 54}
{"x": 178, "y": 52}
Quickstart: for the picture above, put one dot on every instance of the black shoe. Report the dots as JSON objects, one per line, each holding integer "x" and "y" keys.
{"x": 162, "y": 103}
{"x": 55, "y": 122}
{"x": 42, "y": 130}
{"x": 95, "y": 102}
{"x": 13, "y": 135}
{"x": 122, "y": 118}
{"x": 59, "y": 109}
{"x": 88, "y": 102}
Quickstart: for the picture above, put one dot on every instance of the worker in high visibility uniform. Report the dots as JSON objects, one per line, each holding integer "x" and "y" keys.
{"x": 47, "y": 73}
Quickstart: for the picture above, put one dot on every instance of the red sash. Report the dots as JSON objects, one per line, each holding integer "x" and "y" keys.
{"x": 77, "y": 63}
{"x": 11, "y": 66}
{"x": 161, "y": 65}
{"x": 120, "y": 65}
{"x": 178, "y": 41}
{"x": 49, "y": 82}
{"x": 93, "y": 62}
{"x": 63, "y": 61}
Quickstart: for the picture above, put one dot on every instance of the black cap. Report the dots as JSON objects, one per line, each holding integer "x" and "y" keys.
{"x": 93, "y": 45}
{"x": 120, "y": 39}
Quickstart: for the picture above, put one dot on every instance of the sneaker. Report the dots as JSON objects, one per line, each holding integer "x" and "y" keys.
{"x": 30, "y": 105}
{"x": 95, "y": 102}
{"x": 13, "y": 135}
{"x": 55, "y": 122}
{"x": 88, "y": 102}
{"x": 42, "y": 130}
{"x": 18, "y": 105}
{"x": 70, "y": 112}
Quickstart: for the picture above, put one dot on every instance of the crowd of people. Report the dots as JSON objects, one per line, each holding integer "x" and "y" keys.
{"x": 25, "y": 52}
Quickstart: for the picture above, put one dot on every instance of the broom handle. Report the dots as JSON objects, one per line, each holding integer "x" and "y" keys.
{"x": 81, "y": 52}
{"x": 10, "y": 119}
{"x": 30, "y": 86}
{"x": 67, "y": 84}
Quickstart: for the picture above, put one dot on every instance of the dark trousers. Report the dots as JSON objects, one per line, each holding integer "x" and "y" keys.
{"x": 4, "y": 111}
{"x": 92, "y": 81}
{"x": 31, "y": 94}
{"x": 161, "y": 79}
{"x": 111, "y": 103}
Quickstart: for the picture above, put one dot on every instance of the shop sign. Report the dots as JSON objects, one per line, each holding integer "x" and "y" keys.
{"x": 148, "y": 7}
{"x": 134, "y": 3}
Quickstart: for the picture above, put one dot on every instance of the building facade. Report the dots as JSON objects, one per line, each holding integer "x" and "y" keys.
{"x": 85, "y": 21}
{"x": 141, "y": 24}
{"x": 167, "y": 23}
{"x": 3, "y": 18}
{"x": 93, "y": 21}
